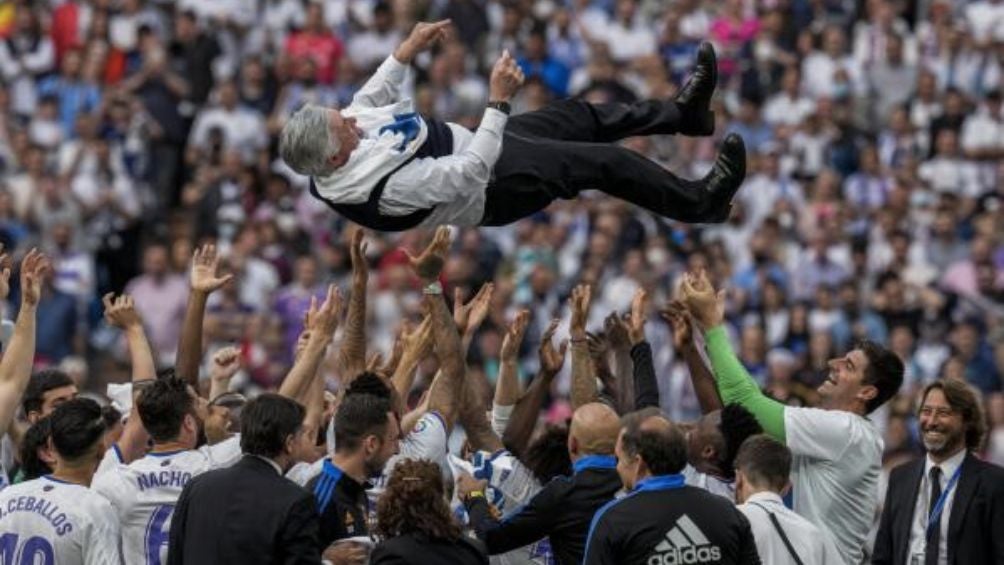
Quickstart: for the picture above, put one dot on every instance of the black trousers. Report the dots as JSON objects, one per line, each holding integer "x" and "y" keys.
{"x": 568, "y": 146}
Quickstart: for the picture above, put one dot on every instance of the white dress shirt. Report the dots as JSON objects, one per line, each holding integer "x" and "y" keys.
{"x": 453, "y": 185}
{"x": 918, "y": 539}
{"x": 812, "y": 547}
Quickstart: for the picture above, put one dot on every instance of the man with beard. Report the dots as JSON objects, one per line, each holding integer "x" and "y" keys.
{"x": 837, "y": 450}
{"x": 947, "y": 508}
{"x": 145, "y": 491}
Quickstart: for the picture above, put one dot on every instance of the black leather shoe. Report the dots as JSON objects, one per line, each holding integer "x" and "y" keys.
{"x": 725, "y": 178}
{"x": 694, "y": 97}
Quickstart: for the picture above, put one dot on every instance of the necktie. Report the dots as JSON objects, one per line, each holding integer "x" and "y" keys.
{"x": 934, "y": 536}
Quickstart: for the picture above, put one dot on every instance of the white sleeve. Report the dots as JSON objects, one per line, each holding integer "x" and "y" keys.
{"x": 427, "y": 440}
{"x": 301, "y": 473}
{"x": 425, "y": 183}
{"x": 507, "y": 474}
{"x": 817, "y": 433}
{"x": 102, "y": 536}
{"x": 383, "y": 88}
{"x": 500, "y": 418}
{"x": 223, "y": 454}
{"x": 41, "y": 60}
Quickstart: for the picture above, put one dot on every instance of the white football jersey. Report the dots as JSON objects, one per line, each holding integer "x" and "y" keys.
{"x": 48, "y": 521}
{"x": 145, "y": 491}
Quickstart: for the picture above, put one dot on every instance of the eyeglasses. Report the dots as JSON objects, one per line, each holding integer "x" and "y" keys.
{"x": 942, "y": 412}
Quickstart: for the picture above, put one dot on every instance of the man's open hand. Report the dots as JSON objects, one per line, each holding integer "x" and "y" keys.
{"x": 205, "y": 264}
{"x": 34, "y": 268}
{"x": 551, "y": 359}
{"x": 506, "y": 79}
{"x": 582, "y": 296}
{"x": 706, "y": 305}
{"x": 430, "y": 263}
{"x": 470, "y": 316}
{"x": 514, "y": 336}
{"x": 120, "y": 312}
{"x": 423, "y": 36}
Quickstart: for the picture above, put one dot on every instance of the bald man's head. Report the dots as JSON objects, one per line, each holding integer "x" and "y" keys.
{"x": 594, "y": 430}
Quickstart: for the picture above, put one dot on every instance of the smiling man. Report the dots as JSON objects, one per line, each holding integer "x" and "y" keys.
{"x": 837, "y": 450}
{"x": 380, "y": 164}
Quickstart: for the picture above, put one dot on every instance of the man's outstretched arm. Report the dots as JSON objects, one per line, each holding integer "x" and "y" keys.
{"x": 15, "y": 366}
{"x": 384, "y": 87}
{"x": 204, "y": 281}
{"x": 734, "y": 382}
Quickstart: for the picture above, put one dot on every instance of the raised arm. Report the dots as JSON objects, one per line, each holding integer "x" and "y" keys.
{"x": 15, "y": 367}
{"x": 470, "y": 316}
{"x": 646, "y": 388}
{"x": 204, "y": 281}
{"x": 507, "y": 389}
{"x": 384, "y": 87}
{"x": 734, "y": 382}
{"x": 620, "y": 344}
{"x": 527, "y": 410}
{"x": 322, "y": 322}
{"x": 352, "y": 353}
{"x": 445, "y": 392}
{"x": 683, "y": 341}
{"x": 121, "y": 313}
{"x": 583, "y": 380}
{"x": 416, "y": 345}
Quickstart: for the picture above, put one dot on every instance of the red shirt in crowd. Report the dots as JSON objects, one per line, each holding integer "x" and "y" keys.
{"x": 324, "y": 48}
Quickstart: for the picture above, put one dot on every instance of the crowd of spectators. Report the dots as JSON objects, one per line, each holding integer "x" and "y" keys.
{"x": 132, "y": 131}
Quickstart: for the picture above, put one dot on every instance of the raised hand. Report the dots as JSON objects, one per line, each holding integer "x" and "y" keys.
{"x": 357, "y": 252}
{"x": 551, "y": 359}
{"x": 514, "y": 336}
{"x": 636, "y": 322}
{"x": 679, "y": 319}
{"x": 470, "y": 316}
{"x": 706, "y": 305}
{"x": 324, "y": 321}
{"x": 430, "y": 263}
{"x": 120, "y": 312}
{"x": 205, "y": 265}
{"x": 581, "y": 297}
{"x": 34, "y": 267}
{"x": 599, "y": 346}
{"x": 417, "y": 342}
{"x": 226, "y": 363}
{"x": 423, "y": 36}
{"x": 505, "y": 80}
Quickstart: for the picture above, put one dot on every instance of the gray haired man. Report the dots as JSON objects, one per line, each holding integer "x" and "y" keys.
{"x": 380, "y": 164}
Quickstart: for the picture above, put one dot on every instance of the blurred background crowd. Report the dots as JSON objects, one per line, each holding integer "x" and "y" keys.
{"x": 133, "y": 130}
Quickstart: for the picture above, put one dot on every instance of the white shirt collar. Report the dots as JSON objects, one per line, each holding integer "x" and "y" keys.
{"x": 765, "y": 496}
{"x": 274, "y": 465}
{"x": 948, "y": 466}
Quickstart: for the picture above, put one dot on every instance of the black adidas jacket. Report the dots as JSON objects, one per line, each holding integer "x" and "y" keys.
{"x": 562, "y": 511}
{"x": 665, "y": 522}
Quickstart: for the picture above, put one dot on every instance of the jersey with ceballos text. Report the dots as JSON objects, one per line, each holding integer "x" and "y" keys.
{"x": 48, "y": 522}
{"x": 145, "y": 492}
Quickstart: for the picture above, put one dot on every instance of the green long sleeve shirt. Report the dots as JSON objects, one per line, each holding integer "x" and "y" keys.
{"x": 736, "y": 385}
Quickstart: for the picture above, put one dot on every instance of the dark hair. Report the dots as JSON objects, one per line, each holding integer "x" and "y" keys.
{"x": 547, "y": 455}
{"x": 369, "y": 383}
{"x": 77, "y": 425}
{"x": 36, "y": 437}
{"x": 415, "y": 501}
{"x": 884, "y": 372}
{"x": 765, "y": 462}
{"x": 662, "y": 448}
{"x": 162, "y": 406}
{"x": 965, "y": 400}
{"x": 736, "y": 426}
{"x": 359, "y": 415}
{"x": 266, "y": 423}
{"x": 41, "y": 383}
{"x": 112, "y": 415}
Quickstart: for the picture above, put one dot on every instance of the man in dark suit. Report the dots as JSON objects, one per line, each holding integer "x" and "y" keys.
{"x": 947, "y": 508}
{"x": 250, "y": 513}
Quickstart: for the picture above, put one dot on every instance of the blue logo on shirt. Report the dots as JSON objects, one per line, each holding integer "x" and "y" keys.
{"x": 409, "y": 125}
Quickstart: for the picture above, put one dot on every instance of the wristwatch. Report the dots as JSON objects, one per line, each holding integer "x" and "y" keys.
{"x": 501, "y": 106}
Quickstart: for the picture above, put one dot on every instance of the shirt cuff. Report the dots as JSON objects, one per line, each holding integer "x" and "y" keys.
{"x": 716, "y": 337}
{"x": 392, "y": 67}
{"x": 494, "y": 120}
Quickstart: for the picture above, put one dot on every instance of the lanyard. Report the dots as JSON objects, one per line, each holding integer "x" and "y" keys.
{"x": 940, "y": 505}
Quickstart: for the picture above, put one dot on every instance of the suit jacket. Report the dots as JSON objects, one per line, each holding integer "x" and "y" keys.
{"x": 975, "y": 525}
{"x": 246, "y": 514}
{"x": 417, "y": 549}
